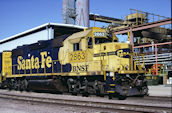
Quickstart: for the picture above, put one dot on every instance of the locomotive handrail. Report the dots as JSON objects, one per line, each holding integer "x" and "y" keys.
{"x": 131, "y": 63}
{"x": 137, "y": 60}
{"x": 52, "y": 66}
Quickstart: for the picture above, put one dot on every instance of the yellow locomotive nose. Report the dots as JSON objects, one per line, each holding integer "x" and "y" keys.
{"x": 115, "y": 56}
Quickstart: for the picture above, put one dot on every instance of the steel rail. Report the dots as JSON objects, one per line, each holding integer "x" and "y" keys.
{"x": 113, "y": 106}
{"x": 152, "y": 98}
{"x": 159, "y": 98}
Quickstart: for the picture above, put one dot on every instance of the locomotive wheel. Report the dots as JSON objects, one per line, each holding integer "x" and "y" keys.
{"x": 110, "y": 96}
{"x": 9, "y": 85}
{"x": 85, "y": 94}
{"x": 22, "y": 85}
{"x": 121, "y": 97}
{"x": 141, "y": 96}
{"x": 98, "y": 93}
{"x": 145, "y": 90}
{"x": 101, "y": 90}
{"x": 16, "y": 85}
{"x": 74, "y": 93}
{"x": 27, "y": 90}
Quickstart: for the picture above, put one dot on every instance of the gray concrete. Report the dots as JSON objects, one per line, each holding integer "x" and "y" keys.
{"x": 13, "y": 106}
{"x": 160, "y": 90}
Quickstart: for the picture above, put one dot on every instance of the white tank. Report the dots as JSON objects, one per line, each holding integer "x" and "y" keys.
{"x": 82, "y": 12}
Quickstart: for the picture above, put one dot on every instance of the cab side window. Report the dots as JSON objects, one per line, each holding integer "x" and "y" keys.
{"x": 90, "y": 42}
{"x": 77, "y": 46}
{"x": 115, "y": 40}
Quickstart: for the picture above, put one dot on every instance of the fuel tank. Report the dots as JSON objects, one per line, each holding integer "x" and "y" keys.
{"x": 47, "y": 85}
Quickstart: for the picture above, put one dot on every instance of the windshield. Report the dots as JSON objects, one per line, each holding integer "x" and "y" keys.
{"x": 102, "y": 40}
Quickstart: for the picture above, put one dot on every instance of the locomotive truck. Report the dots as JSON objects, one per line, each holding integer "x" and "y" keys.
{"x": 92, "y": 61}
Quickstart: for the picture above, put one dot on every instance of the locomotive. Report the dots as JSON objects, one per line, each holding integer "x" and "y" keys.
{"x": 92, "y": 61}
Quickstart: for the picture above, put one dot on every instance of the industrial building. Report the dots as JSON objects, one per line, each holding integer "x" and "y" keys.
{"x": 43, "y": 32}
{"x": 150, "y": 36}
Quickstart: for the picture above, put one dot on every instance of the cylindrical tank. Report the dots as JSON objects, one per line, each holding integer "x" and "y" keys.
{"x": 69, "y": 12}
{"x": 82, "y": 12}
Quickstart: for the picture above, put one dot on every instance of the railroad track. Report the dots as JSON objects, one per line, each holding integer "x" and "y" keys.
{"x": 157, "y": 98}
{"x": 112, "y": 106}
{"x": 153, "y": 98}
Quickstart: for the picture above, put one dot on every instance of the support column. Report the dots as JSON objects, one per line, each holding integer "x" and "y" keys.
{"x": 131, "y": 39}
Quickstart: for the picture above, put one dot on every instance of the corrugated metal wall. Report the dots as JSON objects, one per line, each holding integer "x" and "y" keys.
{"x": 28, "y": 39}
{"x": 0, "y": 63}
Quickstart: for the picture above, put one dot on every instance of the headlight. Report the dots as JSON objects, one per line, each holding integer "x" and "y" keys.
{"x": 143, "y": 66}
{"x": 127, "y": 75}
{"x": 126, "y": 67}
{"x": 111, "y": 74}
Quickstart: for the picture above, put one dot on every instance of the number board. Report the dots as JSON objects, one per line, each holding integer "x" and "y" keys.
{"x": 99, "y": 34}
{"x": 77, "y": 56}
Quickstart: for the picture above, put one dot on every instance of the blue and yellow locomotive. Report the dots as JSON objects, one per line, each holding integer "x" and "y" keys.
{"x": 88, "y": 62}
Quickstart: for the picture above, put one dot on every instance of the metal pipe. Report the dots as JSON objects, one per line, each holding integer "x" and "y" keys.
{"x": 131, "y": 61}
{"x": 156, "y": 60}
{"x": 136, "y": 17}
{"x": 131, "y": 39}
{"x": 144, "y": 26}
{"x": 94, "y": 20}
{"x": 158, "y": 44}
{"x": 148, "y": 13}
{"x": 141, "y": 18}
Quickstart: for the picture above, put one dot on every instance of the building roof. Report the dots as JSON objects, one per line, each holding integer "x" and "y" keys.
{"x": 39, "y": 28}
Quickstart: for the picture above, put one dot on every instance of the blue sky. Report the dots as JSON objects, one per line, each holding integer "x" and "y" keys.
{"x": 19, "y": 15}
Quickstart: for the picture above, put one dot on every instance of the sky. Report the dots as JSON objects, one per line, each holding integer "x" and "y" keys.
{"x": 17, "y": 16}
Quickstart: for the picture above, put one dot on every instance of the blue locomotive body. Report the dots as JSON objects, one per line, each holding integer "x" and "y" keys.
{"x": 38, "y": 58}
